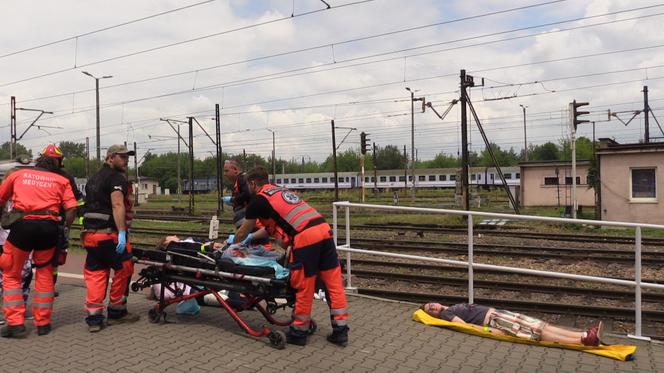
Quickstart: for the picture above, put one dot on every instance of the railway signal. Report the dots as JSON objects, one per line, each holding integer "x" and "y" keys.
{"x": 364, "y": 142}
{"x": 574, "y": 106}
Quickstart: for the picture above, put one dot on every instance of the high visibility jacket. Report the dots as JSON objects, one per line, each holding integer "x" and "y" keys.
{"x": 38, "y": 190}
{"x": 290, "y": 213}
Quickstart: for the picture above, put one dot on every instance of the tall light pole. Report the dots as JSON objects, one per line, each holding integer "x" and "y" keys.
{"x": 525, "y": 141}
{"x": 274, "y": 164}
{"x": 97, "y": 99}
{"x": 412, "y": 139}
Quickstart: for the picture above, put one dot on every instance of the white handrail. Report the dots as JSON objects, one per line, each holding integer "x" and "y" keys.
{"x": 470, "y": 264}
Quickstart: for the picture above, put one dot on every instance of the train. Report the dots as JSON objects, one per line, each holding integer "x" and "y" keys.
{"x": 432, "y": 178}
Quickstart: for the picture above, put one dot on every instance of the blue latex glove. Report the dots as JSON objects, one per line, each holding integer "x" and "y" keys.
{"x": 247, "y": 239}
{"x": 227, "y": 200}
{"x": 122, "y": 242}
{"x": 231, "y": 239}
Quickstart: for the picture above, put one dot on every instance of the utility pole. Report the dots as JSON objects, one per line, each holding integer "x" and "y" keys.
{"x": 412, "y": 139}
{"x": 97, "y": 105}
{"x": 138, "y": 181}
{"x": 465, "y": 197}
{"x": 334, "y": 160}
{"x": 244, "y": 159}
{"x": 525, "y": 138}
{"x": 87, "y": 157}
{"x": 375, "y": 168}
{"x": 191, "y": 165}
{"x": 220, "y": 186}
{"x": 12, "y": 128}
{"x": 405, "y": 169}
{"x": 274, "y": 162}
{"x": 646, "y": 110}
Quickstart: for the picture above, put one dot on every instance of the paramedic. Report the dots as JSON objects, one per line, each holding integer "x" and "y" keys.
{"x": 313, "y": 253}
{"x": 104, "y": 237}
{"x": 37, "y": 195}
{"x": 513, "y": 324}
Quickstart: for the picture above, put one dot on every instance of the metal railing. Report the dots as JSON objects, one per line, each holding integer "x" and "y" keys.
{"x": 471, "y": 265}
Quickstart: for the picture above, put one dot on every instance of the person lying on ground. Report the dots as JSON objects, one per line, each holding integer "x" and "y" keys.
{"x": 513, "y": 324}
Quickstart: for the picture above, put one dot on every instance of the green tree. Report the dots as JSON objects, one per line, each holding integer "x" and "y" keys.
{"x": 347, "y": 160}
{"x": 545, "y": 152}
{"x": 20, "y": 149}
{"x": 75, "y": 166}
{"x": 72, "y": 149}
{"x": 389, "y": 158}
{"x": 503, "y": 157}
{"x": 441, "y": 160}
{"x": 584, "y": 148}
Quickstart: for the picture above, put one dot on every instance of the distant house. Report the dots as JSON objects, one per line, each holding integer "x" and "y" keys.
{"x": 549, "y": 183}
{"x": 630, "y": 180}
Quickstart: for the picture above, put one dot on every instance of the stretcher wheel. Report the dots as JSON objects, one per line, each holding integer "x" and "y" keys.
{"x": 277, "y": 339}
{"x": 154, "y": 316}
{"x": 312, "y": 327}
{"x": 135, "y": 287}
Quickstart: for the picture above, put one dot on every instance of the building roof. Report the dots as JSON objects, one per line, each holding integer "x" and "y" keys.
{"x": 559, "y": 163}
{"x": 609, "y": 146}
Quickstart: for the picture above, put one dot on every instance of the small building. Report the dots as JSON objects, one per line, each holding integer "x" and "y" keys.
{"x": 630, "y": 176}
{"x": 549, "y": 183}
{"x": 146, "y": 186}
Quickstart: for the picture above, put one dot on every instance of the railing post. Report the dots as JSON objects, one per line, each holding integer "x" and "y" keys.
{"x": 349, "y": 285}
{"x": 471, "y": 295}
{"x": 335, "y": 224}
{"x": 637, "y": 287}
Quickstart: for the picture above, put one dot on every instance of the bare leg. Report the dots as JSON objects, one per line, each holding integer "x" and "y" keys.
{"x": 551, "y": 333}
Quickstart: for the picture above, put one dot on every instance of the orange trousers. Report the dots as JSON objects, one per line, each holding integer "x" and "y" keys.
{"x": 11, "y": 262}
{"x": 99, "y": 262}
{"x": 314, "y": 255}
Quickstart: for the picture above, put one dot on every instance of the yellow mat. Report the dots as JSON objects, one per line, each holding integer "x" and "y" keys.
{"x": 618, "y": 352}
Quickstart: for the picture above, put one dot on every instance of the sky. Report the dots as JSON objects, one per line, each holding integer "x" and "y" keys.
{"x": 290, "y": 67}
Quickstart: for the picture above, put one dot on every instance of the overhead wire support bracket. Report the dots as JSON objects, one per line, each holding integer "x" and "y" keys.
{"x": 447, "y": 111}
{"x": 174, "y": 129}
{"x": 41, "y": 112}
{"x": 350, "y": 129}
{"x": 615, "y": 115}
{"x": 206, "y": 133}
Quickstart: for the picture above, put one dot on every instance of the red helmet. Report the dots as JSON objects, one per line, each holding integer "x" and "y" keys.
{"x": 52, "y": 151}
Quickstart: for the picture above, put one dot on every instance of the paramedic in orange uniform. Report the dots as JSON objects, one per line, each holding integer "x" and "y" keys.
{"x": 105, "y": 239}
{"x": 37, "y": 194}
{"x": 313, "y": 253}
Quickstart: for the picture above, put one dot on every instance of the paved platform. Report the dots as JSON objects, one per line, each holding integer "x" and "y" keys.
{"x": 383, "y": 339}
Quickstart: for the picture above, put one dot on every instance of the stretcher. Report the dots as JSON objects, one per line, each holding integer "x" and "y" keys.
{"x": 209, "y": 274}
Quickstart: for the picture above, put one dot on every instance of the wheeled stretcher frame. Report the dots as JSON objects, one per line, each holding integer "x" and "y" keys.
{"x": 204, "y": 274}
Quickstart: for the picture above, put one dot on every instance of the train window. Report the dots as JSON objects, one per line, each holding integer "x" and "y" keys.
{"x": 421, "y": 178}
{"x": 442, "y": 177}
{"x": 373, "y": 179}
{"x": 300, "y": 180}
{"x": 293, "y": 181}
{"x": 394, "y": 178}
{"x": 452, "y": 177}
{"x": 324, "y": 180}
{"x": 518, "y": 175}
{"x": 341, "y": 179}
{"x": 347, "y": 179}
{"x": 568, "y": 180}
{"x": 366, "y": 179}
{"x": 278, "y": 181}
{"x": 508, "y": 176}
{"x": 383, "y": 179}
{"x": 402, "y": 178}
{"x": 551, "y": 180}
{"x": 492, "y": 176}
{"x": 308, "y": 180}
{"x": 643, "y": 184}
{"x": 410, "y": 177}
{"x": 472, "y": 177}
{"x": 316, "y": 180}
{"x": 432, "y": 177}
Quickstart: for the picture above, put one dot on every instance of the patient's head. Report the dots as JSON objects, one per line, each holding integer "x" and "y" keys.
{"x": 433, "y": 309}
{"x": 163, "y": 243}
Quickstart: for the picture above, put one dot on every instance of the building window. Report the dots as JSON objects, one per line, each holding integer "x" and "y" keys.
{"x": 551, "y": 180}
{"x": 432, "y": 177}
{"x": 643, "y": 184}
{"x": 568, "y": 180}
{"x": 508, "y": 176}
{"x": 442, "y": 177}
{"x": 421, "y": 178}
{"x": 393, "y": 178}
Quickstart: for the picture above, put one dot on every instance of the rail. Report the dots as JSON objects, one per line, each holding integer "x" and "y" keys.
{"x": 471, "y": 265}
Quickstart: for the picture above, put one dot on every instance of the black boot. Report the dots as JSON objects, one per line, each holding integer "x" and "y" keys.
{"x": 339, "y": 336}
{"x": 296, "y": 337}
{"x": 43, "y": 329}
{"x": 13, "y": 331}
